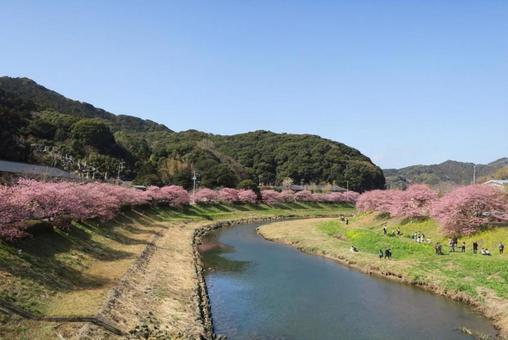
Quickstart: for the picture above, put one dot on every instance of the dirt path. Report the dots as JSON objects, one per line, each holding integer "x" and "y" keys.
{"x": 159, "y": 296}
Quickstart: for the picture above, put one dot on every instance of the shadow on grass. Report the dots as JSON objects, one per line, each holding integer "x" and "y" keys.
{"x": 111, "y": 233}
{"x": 36, "y": 260}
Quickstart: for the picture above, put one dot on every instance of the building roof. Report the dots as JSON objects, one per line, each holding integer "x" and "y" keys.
{"x": 32, "y": 169}
{"x": 497, "y": 182}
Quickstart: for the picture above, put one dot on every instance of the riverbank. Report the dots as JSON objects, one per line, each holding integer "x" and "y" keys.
{"x": 480, "y": 281}
{"x": 138, "y": 273}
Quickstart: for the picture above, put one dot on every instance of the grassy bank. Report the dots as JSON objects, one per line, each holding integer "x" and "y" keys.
{"x": 479, "y": 280}
{"x": 71, "y": 272}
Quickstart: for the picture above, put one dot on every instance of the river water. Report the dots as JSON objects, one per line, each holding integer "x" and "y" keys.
{"x": 264, "y": 290}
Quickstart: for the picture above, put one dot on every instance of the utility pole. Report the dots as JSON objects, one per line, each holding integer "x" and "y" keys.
{"x": 120, "y": 168}
{"x": 474, "y": 173}
{"x": 194, "y": 178}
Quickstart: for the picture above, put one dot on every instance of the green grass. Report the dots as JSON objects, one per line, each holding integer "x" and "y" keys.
{"x": 461, "y": 272}
{"x": 216, "y": 212}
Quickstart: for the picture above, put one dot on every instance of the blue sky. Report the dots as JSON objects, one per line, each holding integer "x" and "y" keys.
{"x": 406, "y": 82}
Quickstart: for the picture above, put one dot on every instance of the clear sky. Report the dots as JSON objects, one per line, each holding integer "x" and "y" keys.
{"x": 406, "y": 82}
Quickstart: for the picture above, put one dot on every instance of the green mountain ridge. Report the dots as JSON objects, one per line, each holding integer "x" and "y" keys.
{"x": 448, "y": 173}
{"x": 45, "y": 127}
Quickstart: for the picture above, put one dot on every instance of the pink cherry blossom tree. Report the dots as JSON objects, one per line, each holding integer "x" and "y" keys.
{"x": 304, "y": 196}
{"x": 414, "y": 202}
{"x": 287, "y": 196}
{"x": 465, "y": 210}
{"x": 206, "y": 196}
{"x": 228, "y": 195}
{"x": 350, "y": 197}
{"x": 378, "y": 200}
{"x": 175, "y": 196}
{"x": 270, "y": 196}
{"x": 247, "y": 196}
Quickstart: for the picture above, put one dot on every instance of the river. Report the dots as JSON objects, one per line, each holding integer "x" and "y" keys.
{"x": 263, "y": 290}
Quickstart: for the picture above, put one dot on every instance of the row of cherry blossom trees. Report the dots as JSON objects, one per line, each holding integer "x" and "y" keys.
{"x": 63, "y": 202}
{"x": 228, "y": 195}
{"x": 462, "y": 211}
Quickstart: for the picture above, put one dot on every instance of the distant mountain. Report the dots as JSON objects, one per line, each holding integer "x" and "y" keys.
{"x": 448, "y": 173}
{"x": 41, "y": 126}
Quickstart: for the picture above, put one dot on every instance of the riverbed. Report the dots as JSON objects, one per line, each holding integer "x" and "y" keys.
{"x": 264, "y": 290}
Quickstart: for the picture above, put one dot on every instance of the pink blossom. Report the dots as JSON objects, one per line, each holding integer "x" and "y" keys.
{"x": 206, "y": 195}
{"x": 378, "y": 200}
{"x": 228, "y": 195}
{"x": 304, "y": 196}
{"x": 247, "y": 196}
{"x": 175, "y": 195}
{"x": 415, "y": 201}
{"x": 465, "y": 210}
{"x": 270, "y": 196}
{"x": 350, "y": 197}
{"x": 287, "y": 196}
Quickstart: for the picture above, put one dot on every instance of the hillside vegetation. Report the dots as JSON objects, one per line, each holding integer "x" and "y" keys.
{"x": 42, "y": 126}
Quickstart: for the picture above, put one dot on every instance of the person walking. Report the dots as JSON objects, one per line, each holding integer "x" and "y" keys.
{"x": 463, "y": 247}
{"x": 385, "y": 231}
{"x": 381, "y": 253}
{"x": 475, "y": 247}
{"x": 452, "y": 245}
{"x": 501, "y": 248}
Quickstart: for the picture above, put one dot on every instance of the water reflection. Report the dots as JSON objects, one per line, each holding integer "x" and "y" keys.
{"x": 213, "y": 255}
{"x": 264, "y": 290}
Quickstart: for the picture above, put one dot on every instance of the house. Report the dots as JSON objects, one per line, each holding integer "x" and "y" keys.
{"x": 497, "y": 183}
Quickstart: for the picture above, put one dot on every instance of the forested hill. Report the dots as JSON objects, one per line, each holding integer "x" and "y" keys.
{"x": 448, "y": 173}
{"x": 27, "y": 90}
{"x": 42, "y": 126}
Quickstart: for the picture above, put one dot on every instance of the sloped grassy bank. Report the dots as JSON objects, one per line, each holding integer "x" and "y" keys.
{"x": 480, "y": 281}
{"x": 137, "y": 272}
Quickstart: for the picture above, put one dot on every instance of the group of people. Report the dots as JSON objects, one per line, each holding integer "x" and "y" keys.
{"x": 387, "y": 253}
{"x": 393, "y": 233}
{"x": 344, "y": 219}
{"x": 419, "y": 237}
{"x": 454, "y": 245}
{"x": 485, "y": 251}
{"x": 454, "y": 242}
